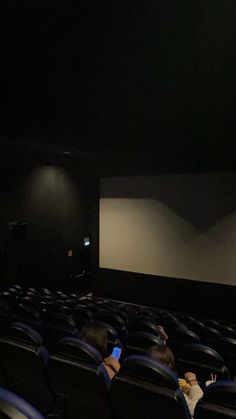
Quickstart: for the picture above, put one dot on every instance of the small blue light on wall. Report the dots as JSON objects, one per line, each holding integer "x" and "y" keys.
{"x": 87, "y": 241}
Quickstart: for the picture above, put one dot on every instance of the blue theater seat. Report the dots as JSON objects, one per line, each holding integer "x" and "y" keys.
{"x": 23, "y": 361}
{"x": 14, "y": 407}
{"x": 79, "y": 380}
{"x": 145, "y": 388}
{"x": 22, "y": 332}
{"x": 218, "y": 402}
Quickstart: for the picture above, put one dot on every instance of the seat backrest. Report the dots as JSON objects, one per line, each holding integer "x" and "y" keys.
{"x": 180, "y": 338}
{"x": 77, "y": 349}
{"x": 218, "y": 402}
{"x": 140, "y": 342}
{"x": 145, "y": 388}
{"x": 209, "y": 335}
{"x": 79, "y": 380}
{"x": 4, "y": 315}
{"x": 58, "y": 321}
{"x": 227, "y": 331}
{"x": 14, "y": 407}
{"x": 30, "y": 300}
{"x": 26, "y": 314}
{"x": 18, "y": 287}
{"x": 22, "y": 332}
{"x": 193, "y": 324}
{"x": 23, "y": 367}
{"x": 227, "y": 348}
{"x": 169, "y": 322}
{"x": 116, "y": 321}
{"x": 56, "y": 326}
{"x": 184, "y": 336}
{"x": 3, "y": 307}
{"x": 144, "y": 326}
{"x": 203, "y": 361}
{"x": 211, "y": 323}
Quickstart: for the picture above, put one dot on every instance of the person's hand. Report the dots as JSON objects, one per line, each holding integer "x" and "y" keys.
{"x": 191, "y": 378}
{"x": 185, "y": 387}
{"x": 162, "y": 332}
{"x": 212, "y": 380}
{"x": 112, "y": 363}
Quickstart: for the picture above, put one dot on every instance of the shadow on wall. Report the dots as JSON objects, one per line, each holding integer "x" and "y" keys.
{"x": 195, "y": 198}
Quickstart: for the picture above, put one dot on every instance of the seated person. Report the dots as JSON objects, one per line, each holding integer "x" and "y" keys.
{"x": 189, "y": 385}
{"x": 96, "y": 335}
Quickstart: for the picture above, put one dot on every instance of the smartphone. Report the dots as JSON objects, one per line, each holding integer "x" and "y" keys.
{"x": 116, "y": 353}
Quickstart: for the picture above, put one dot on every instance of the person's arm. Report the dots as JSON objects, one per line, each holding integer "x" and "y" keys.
{"x": 163, "y": 334}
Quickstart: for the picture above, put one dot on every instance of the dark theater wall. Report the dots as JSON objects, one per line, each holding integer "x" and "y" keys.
{"x": 180, "y": 295}
{"x": 56, "y": 200}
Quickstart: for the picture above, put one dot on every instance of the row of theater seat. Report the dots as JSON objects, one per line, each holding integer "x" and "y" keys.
{"x": 72, "y": 383}
{"x": 50, "y": 382}
{"x": 59, "y": 314}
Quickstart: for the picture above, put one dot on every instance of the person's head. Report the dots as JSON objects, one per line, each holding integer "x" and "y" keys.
{"x": 96, "y": 335}
{"x": 162, "y": 354}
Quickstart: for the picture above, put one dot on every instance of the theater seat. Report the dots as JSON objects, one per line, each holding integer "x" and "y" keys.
{"x": 28, "y": 315}
{"x": 143, "y": 326}
{"x": 218, "y": 402}
{"x": 14, "y": 407}
{"x": 140, "y": 342}
{"x": 180, "y": 338}
{"x": 227, "y": 348}
{"x": 116, "y": 321}
{"x": 56, "y": 326}
{"x": 82, "y": 316}
{"x": 22, "y": 332}
{"x": 4, "y": 315}
{"x": 145, "y": 388}
{"x": 203, "y": 361}
{"x": 168, "y": 321}
{"x": 227, "y": 331}
{"x": 79, "y": 380}
{"x": 209, "y": 335}
{"x": 23, "y": 361}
